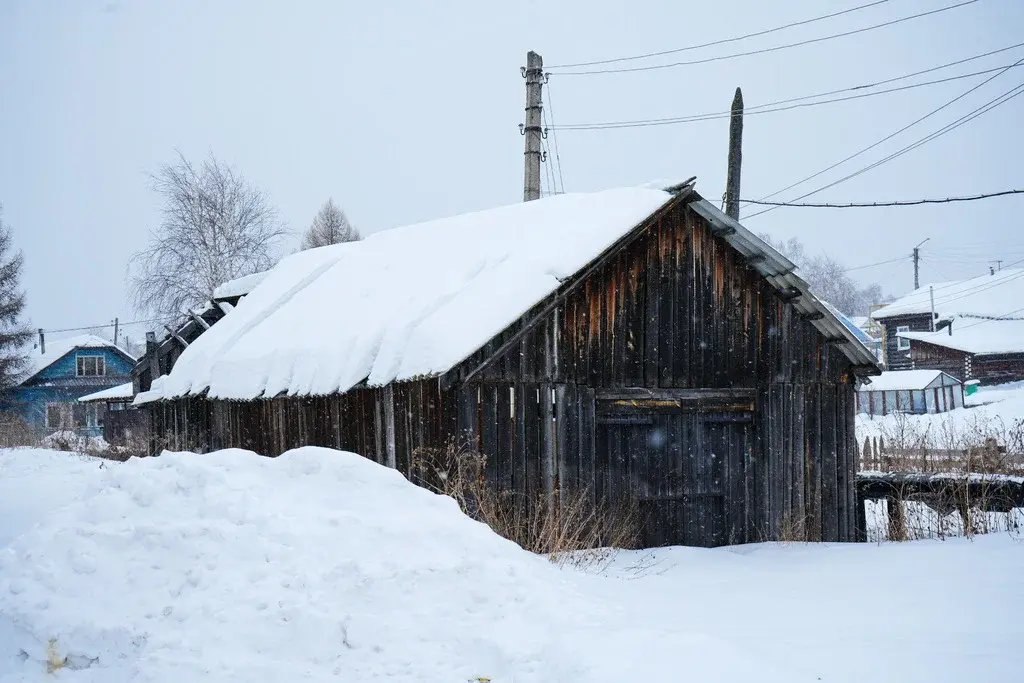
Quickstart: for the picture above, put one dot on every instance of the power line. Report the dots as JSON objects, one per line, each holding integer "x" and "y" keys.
{"x": 554, "y": 136}
{"x": 937, "y": 271}
{"x": 720, "y": 42}
{"x": 872, "y": 265}
{"x": 103, "y": 325}
{"x": 764, "y": 108}
{"x": 775, "y": 48}
{"x": 985, "y": 108}
{"x": 886, "y": 138}
{"x": 546, "y": 158}
{"x": 776, "y": 105}
{"x": 915, "y": 202}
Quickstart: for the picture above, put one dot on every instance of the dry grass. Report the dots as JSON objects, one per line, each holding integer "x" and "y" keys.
{"x": 16, "y": 432}
{"x": 570, "y": 529}
{"x": 982, "y": 444}
{"x": 971, "y": 455}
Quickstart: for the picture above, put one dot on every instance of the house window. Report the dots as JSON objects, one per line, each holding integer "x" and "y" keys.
{"x": 902, "y": 343}
{"x": 79, "y": 415}
{"x": 91, "y": 366}
{"x": 54, "y": 416}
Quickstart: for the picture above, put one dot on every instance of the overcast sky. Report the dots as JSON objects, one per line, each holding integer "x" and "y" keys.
{"x": 408, "y": 111}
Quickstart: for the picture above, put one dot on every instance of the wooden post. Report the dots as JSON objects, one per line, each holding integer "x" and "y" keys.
{"x": 732, "y": 181}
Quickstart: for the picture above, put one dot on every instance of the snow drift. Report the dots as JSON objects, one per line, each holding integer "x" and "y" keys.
{"x": 229, "y": 566}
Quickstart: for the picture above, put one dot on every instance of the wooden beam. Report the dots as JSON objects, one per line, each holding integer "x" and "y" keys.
{"x": 176, "y": 336}
{"x": 675, "y": 394}
{"x": 199, "y": 319}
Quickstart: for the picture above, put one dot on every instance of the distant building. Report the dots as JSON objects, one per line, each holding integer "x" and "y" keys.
{"x": 975, "y": 332}
{"x": 910, "y": 391}
{"x": 120, "y": 425}
{"x": 62, "y": 371}
{"x": 991, "y": 351}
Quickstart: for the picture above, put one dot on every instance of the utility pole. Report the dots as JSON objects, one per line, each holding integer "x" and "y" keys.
{"x": 115, "y": 331}
{"x": 533, "y": 72}
{"x": 917, "y": 263}
{"x": 999, "y": 264}
{"x": 732, "y": 178}
{"x": 931, "y": 296}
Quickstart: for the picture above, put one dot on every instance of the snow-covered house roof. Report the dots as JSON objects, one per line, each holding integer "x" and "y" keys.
{"x": 997, "y": 295}
{"x": 415, "y": 301}
{"x": 239, "y": 286}
{"x": 154, "y": 393}
{"x": 979, "y": 337}
{"x": 121, "y": 392}
{"x": 909, "y": 380}
{"x": 58, "y": 348}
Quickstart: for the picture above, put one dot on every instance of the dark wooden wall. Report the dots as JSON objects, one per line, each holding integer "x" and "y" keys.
{"x": 670, "y": 375}
{"x": 894, "y": 358}
{"x": 989, "y": 369}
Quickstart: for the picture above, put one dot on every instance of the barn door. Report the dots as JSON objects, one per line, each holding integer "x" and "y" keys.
{"x": 683, "y": 465}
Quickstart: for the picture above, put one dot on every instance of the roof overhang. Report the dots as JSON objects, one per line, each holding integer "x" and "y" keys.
{"x": 780, "y": 273}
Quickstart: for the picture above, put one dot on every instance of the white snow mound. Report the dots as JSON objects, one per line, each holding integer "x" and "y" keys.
{"x": 315, "y": 565}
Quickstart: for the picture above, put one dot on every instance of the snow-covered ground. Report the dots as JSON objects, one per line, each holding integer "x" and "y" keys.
{"x": 322, "y": 565}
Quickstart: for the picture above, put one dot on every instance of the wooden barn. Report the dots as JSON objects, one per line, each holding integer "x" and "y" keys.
{"x": 633, "y": 345}
{"x": 163, "y": 352}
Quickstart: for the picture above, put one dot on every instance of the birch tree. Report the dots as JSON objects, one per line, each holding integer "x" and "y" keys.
{"x": 215, "y": 226}
{"x": 828, "y": 279}
{"x": 330, "y": 226}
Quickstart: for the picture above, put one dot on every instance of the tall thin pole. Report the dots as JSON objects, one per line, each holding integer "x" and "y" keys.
{"x": 534, "y": 74}
{"x": 917, "y": 261}
{"x": 931, "y": 295}
{"x": 115, "y": 331}
{"x": 732, "y": 179}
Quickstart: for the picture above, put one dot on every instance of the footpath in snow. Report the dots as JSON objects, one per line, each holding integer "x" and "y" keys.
{"x": 321, "y": 565}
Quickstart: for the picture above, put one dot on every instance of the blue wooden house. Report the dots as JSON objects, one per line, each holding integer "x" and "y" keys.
{"x": 60, "y": 372}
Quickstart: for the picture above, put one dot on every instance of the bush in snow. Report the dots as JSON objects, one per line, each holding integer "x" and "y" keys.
{"x": 571, "y": 529}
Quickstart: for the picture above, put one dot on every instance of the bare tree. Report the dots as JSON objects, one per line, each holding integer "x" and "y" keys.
{"x": 215, "y": 227}
{"x": 14, "y": 332}
{"x": 331, "y": 226}
{"x": 828, "y": 278}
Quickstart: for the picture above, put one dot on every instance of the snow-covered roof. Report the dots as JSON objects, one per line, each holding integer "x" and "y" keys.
{"x": 997, "y": 296}
{"x": 58, "y": 348}
{"x": 402, "y": 303}
{"x": 415, "y": 301}
{"x": 120, "y": 392}
{"x": 980, "y": 337}
{"x": 904, "y": 380}
{"x": 240, "y": 286}
{"x": 155, "y": 392}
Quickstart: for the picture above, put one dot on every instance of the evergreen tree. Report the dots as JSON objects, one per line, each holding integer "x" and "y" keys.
{"x": 14, "y": 333}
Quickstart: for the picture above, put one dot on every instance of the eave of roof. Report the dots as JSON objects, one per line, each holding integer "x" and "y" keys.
{"x": 779, "y": 271}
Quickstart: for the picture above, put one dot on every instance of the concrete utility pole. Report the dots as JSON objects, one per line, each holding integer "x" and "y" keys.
{"x": 732, "y": 179}
{"x": 533, "y": 72}
{"x": 917, "y": 263}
